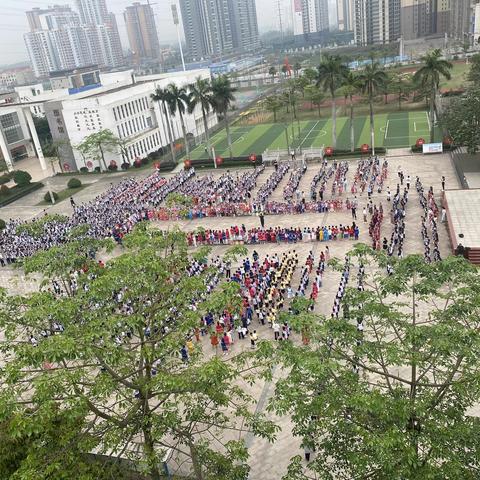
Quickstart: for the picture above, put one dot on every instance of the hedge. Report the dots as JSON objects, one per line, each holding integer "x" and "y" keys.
{"x": 2, "y": 224}
{"x": 340, "y": 152}
{"x": 18, "y": 192}
{"x": 227, "y": 162}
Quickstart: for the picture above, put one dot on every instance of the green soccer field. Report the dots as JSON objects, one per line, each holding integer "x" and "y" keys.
{"x": 400, "y": 129}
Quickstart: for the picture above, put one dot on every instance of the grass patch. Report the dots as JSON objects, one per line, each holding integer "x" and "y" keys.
{"x": 64, "y": 194}
{"x": 16, "y": 192}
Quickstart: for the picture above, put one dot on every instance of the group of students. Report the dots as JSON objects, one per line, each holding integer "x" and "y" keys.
{"x": 398, "y": 214}
{"x": 293, "y": 182}
{"x": 240, "y": 234}
{"x": 375, "y": 226}
{"x": 113, "y": 213}
{"x": 429, "y": 218}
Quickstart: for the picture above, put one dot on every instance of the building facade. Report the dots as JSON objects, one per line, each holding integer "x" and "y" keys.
{"x": 310, "y": 16}
{"x": 244, "y": 25}
{"x": 376, "y": 21}
{"x": 62, "y": 39}
{"x": 142, "y": 32}
{"x": 216, "y": 27}
{"x": 462, "y": 21}
{"x": 128, "y": 111}
{"x": 345, "y": 11}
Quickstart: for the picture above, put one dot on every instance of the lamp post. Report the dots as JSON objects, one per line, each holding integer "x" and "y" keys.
{"x": 176, "y": 22}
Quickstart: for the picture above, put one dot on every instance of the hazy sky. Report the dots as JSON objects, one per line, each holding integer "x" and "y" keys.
{"x": 13, "y": 22}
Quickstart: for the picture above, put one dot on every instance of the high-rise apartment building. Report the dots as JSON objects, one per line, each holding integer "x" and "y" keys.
{"x": 418, "y": 18}
{"x": 142, "y": 32}
{"x": 244, "y": 25}
{"x": 207, "y": 27}
{"x": 62, "y": 39}
{"x": 214, "y": 27}
{"x": 376, "y": 21}
{"x": 92, "y": 12}
{"x": 310, "y": 16}
{"x": 462, "y": 18}
{"x": 345, "y": 11}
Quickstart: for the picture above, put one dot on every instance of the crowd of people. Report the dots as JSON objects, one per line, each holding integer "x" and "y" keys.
{"x": 293, "y": 182}
{"x": 375, "y": 226}
{"x": 398, "y": 214}
{"x": 429, "y": 218}
{"x": 113, "y": 213}
{"x": 341, "y": 288}
{"x": 240, "y": 234}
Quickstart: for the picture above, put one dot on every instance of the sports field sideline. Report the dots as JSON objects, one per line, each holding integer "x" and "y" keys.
{"x": 400, "y": 129}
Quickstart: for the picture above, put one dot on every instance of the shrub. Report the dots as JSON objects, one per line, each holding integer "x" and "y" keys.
{"x": 22, "y": 178}
{"x": 137, "y": 163}
{"x": 4, "y": 178}
{"x": 113, "y": 167}
{"x": 47, "y": 198}
{"x": 74, "y": 183}
{"x": 84, "y": 169}
{"x": 4, "y": 190}
{"x": 125, "y": 166}
{"x": 144, "y": 161}
{"x": 98, "y": 169}
{"x": 2, "y": 224}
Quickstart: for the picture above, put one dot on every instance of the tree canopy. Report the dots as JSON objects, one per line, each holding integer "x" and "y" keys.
{"x": 387, "y": 390}
{"x": 105, "y": 355}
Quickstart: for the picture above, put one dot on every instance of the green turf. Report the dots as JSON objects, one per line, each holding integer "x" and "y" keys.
{"x": 399, "y": 129}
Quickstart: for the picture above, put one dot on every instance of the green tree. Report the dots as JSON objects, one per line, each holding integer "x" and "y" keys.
{"x": 393, "y": 398}
{"x": 201, "y": 95}
{"x": 272, "y": 71}
{"x": 163, "y": 97}
{"x": 351, "y": 86}
{"x": 401, "y": 86}
{"x": 296, "y": 68}
{"x": 97, "y": 144}
{"x": 272, "y": 104}
{"x": 331, "y": 72}
{"x": 474, "y": 72}
{"x": 428, "y": 76}
{"x": 43, "y": 130}
{"x": 179, "y": 102}
{"x": 223, "y": 96}
{"x": 118, "y": 373}
{"x": 372, "y": 79}
{"x": 315, "y": 96}
{"x": 462, "y": 120}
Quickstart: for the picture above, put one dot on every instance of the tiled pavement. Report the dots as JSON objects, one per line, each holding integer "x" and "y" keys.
{"x": 269, "y": 461}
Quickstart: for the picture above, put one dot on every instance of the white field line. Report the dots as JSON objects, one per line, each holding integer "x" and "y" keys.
{"x": 308, "y": 134}
{"x": 386, "y": 129}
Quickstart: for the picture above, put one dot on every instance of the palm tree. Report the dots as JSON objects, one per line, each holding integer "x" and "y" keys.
{"x": 351, "y": 86}
{"x": 330, "y": 76}
{"x": 429, "y": 76}
{"x": 272, "y": 104}
{"x": 372, "y": 80}
{"x": 222, "y": 99}
{"x": 162, "y": 96}
{"x": 272, "y": 72}
{"x": 200, "y": 93}
{"x": 178, "y": 102}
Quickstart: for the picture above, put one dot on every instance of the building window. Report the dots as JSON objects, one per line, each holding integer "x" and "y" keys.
{"x": 56, "y": 113}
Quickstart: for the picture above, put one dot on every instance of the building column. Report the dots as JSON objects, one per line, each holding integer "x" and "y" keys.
{"x": 36, "y": 140}
{"x": 6, "y": 151}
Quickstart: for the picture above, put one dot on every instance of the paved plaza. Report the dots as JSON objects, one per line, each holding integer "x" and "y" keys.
{"x": 269, "y": 461}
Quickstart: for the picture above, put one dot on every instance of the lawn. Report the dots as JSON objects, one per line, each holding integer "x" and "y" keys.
{"x": 399, "y": 129}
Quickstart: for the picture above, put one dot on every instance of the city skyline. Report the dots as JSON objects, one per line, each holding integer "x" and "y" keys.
{"x": 15, "y": 22}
